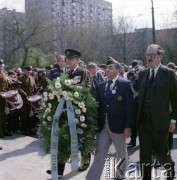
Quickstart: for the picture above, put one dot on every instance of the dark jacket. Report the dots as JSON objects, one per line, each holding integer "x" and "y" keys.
{"x": 119, "y": 107}
{"x": 163, "y": 97}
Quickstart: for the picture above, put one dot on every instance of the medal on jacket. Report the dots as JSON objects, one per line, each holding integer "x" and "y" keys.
{"x": 113, "y": 91}
{"x": 76, "y": 79}
{"x": 119, "y": 98}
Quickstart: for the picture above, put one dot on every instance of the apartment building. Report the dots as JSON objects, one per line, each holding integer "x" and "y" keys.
{"x": 72, "y": 12}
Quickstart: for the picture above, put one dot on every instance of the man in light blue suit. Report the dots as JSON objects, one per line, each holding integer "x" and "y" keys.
{"x": 115, "y": 117}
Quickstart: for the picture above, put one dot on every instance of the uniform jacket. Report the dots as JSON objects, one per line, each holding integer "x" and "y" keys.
{"x": 163, "y": 97}
{"x": 28, "y": 85}
{"x": 80, "y": 76}
{"x": 119, "y": 108}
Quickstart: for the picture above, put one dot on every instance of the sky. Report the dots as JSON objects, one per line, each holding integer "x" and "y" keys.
{"x": 138, "y": 10}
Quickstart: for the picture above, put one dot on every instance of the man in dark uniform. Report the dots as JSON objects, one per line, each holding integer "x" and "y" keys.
{"x": 28, "y": 88}
{"x": 81, "y": 77}
{"x": 157, "y": 112}
{"x": 61, "y": 67}
{"x": 78, "y": 75}
{"x": 3, "y": 87}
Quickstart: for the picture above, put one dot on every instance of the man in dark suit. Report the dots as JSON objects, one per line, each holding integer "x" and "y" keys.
{"x": 157, "y": 111}
{"x": 60, "y": 67}
{"x": 115, "y": 117}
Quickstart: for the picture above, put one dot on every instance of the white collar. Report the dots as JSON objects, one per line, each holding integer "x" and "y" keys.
{"x": 155, "y": 70}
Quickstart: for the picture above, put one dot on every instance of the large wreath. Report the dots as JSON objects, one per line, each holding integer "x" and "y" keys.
{"x": 85, "y": 116}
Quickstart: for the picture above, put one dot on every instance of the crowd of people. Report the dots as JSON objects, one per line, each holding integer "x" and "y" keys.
{"x": 133, "y": 99}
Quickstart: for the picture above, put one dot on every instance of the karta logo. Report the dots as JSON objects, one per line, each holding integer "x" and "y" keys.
{"x": 117, "y": 169}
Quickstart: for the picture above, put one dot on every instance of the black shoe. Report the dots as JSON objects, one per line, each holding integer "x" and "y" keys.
{"x": 83, "y": 167}
{"x": 131, "y": 144}
{"x": 49, "y": 172}
{"x": 1, "y": 148}
{"x": 61, "y": 168}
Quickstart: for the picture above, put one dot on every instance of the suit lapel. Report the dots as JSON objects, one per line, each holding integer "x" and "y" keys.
{"x": 158, "y": 76}
{"x": 145, "y": 78}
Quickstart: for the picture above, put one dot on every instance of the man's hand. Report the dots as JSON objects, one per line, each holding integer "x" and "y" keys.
{"x": 127, "y": 132}
{"x": 172, "y": 127}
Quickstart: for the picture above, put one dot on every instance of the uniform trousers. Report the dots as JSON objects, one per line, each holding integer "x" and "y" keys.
{"x": 104, "y": 139}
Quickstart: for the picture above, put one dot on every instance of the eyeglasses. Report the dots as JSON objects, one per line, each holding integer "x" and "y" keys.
{"x": 153, "y": 55}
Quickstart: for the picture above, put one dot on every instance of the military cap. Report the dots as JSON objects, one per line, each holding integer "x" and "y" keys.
{"x": 28, "y": 68}
{"x": 1, "y": 62}
{"x": 41, "y": 70}
{"x": 72, "y": 53}
{"x": 50, "y": 67}
{"x": 111, "y": 60}
{"x": 35, "y": 69}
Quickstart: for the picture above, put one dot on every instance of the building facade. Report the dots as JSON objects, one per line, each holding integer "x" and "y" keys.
{"x": 73, "y": 12}
{"x": 57, "y": 16}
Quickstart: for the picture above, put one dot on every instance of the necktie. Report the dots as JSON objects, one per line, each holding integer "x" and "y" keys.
{"x": 108, "y": 86}
{"x": 152, "y": 77}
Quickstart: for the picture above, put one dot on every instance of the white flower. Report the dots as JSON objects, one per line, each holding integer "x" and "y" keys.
{"x": 64, "y": 93}
{"x": 80, "y": 87}
{"x": 44, "y": 115}
{"x": 58, "y": 97}
{"x": 51, "y": 96}
{"x": 76, "y": 94}
{"x": 44, "y": 123}
{"x": 51, "y": 87}
{"x": 54, "y": 93}
{"x": 83, "y": 125}
{"x": 45, "y": 94}
{"x": 49, "y": 118}
{"x": 46, "y": 98}
{"x": 67, "y": 98}
{"x": 75, "y": 102}
{"x": 48, "y": 110}
{"x": 80, "y": 131}
{"x": 82, "y": 118}
{"x": 57, "y": 85}
{"x": 84, "y": 109}
{"x": 81, "y": 104}
{"x": 58, "y": 79}
{"x": 50, "y": 105}
{"x": 78, "y": 111}
{"x": 68, "y": 82}
{"x": 72, "y": 82}
{"x": 43, "y": 104}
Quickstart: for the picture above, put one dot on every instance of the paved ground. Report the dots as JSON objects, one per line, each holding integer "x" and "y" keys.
{"x": 21, "y": 159}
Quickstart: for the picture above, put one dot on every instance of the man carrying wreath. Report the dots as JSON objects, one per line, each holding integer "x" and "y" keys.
{"x": 79, "y": 77}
